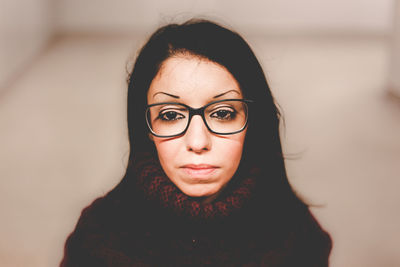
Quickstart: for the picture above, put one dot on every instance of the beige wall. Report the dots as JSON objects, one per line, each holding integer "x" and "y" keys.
{"x": 26, "y": 25}
{"x": 394, "y": 77}
{"x": 25, "y": 28}
{"x": 272, "y": 15}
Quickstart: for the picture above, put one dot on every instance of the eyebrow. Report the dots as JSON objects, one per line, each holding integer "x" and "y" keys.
{"x": 226, "y": 93}
{"x": 177, "y": 97}
{"x": 174, "y": 96}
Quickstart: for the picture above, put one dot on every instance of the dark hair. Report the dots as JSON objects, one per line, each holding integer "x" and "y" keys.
{"x": 213, "y": 42}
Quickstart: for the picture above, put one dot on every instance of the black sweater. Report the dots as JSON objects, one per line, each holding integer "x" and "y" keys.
{"x": 125, "y": 229}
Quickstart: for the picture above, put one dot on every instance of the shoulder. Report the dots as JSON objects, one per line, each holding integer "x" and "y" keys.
{"x": 297, "y": 240}
{"x": 96, "y": 239}
{"x": 86, "y": 239}
{"x": 309, "y": 243}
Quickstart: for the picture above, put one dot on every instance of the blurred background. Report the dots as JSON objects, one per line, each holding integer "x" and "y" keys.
{"x": 333, "y": 66}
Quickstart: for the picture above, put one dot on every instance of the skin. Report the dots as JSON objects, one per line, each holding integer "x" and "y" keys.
{"x": 198, "y": 162}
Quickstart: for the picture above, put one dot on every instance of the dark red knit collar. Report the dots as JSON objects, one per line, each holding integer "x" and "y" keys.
{"x": 156, "y": 186}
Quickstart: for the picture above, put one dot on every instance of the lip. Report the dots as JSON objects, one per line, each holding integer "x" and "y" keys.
{"x": 199, "y": 170}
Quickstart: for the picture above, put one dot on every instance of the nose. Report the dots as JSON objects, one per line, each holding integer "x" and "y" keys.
{"x": 197, "y": 136}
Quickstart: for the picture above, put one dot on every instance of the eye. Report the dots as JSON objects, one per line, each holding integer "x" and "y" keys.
{"x": 170, "y": 115}
{"x": 224, "y": 113}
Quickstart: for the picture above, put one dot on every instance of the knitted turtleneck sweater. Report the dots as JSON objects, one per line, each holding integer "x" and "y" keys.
{"x": 148, "y": 221}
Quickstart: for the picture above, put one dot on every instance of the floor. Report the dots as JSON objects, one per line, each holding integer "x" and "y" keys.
{"x": 63, "y": 141}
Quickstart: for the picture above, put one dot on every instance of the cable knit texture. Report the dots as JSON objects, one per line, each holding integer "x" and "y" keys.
{"x": 157, "y": 186}
{"x": 147, "y": 221}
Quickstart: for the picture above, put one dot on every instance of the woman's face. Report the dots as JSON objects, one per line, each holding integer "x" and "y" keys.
{"x": 199, "y": 163}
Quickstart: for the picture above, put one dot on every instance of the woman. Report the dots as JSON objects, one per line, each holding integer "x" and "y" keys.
{"x": 206, "y": 183}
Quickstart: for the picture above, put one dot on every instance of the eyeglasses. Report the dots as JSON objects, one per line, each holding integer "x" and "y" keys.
{"x": 223, "y": 117}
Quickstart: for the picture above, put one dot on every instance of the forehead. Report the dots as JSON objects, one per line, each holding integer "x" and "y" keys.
{"x": 192, "y": 79}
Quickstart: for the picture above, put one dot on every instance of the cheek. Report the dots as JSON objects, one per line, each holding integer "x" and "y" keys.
{"x": 231, "y": 149}
{"x": 167, "y": 150}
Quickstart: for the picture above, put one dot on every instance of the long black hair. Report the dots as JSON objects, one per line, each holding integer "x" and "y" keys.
{"x": 210, "y": 41}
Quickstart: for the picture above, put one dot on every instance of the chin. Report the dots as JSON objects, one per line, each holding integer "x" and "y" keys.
{"x": 199, "y": 190}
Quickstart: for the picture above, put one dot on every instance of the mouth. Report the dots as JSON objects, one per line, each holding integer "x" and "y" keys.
{"x": 199, "y": 170}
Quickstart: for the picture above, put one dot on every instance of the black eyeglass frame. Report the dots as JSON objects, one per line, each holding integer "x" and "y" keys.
{"x": 197, "y": 111}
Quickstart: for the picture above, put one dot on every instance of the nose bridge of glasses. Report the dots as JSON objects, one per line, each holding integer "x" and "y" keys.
{"x": 196, "y": 111}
